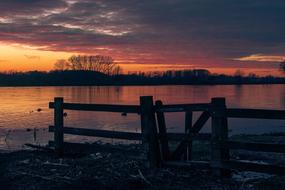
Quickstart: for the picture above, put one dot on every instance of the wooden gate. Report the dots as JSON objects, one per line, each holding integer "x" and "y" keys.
{"x": 155, "y": 138}
{"x": 220, "y": 161}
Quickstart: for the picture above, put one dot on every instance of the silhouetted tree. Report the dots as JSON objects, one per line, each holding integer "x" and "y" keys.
{"x": 282, "y": 66}
{"x": 99, "y": 63}
{"x": 117, "y": 70}
{"x": 239, "y": 73}
{"x": 252, "y": 75}
{"x": 71, "y": 77}
{"x": 61, "y": 65}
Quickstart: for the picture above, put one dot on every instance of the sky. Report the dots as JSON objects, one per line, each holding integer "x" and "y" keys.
{"x": 143, "y": 35}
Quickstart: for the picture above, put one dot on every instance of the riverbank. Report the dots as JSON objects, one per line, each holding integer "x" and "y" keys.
{"x": 125, "y": 169}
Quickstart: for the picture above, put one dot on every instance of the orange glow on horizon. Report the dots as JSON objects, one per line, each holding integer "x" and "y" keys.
{"x": 21, "y": 58}
{"x": 217, "y": 70}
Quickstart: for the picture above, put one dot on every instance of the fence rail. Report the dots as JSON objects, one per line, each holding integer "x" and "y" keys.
{"x": 126, "y": 135}
{"x": 99, "y": 133}
{"x": 256, "y": 113}
{"x": 155, "y": 137}
{"x": 99, "y": 107}
{"x": 183, "y": 107}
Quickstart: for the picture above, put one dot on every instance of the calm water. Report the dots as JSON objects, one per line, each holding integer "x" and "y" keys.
{"x": 19, "y": 108}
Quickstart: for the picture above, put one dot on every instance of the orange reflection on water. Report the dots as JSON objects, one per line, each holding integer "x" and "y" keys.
{"x": 20, "y": 107}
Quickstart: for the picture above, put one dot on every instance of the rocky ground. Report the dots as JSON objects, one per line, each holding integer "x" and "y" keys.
{"x": 123, "y": 169}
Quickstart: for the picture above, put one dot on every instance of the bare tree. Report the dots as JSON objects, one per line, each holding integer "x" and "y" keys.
{"x": 282, "y": 66}
{"x": 239, "y": 73}
{"x": 99, "y": 63}
{"x": 61, "y": 65}
{"x": 76, "y": 62}
{"x": 117, "y": 70}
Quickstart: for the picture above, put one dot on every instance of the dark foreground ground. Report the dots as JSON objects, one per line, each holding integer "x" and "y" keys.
{"x": 41, "y": 169}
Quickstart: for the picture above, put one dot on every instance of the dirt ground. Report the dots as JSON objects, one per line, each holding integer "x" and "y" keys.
{"x": 42, "y": 169}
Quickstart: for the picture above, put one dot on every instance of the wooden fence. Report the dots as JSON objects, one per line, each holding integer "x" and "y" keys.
{"x": 155, "y": 137}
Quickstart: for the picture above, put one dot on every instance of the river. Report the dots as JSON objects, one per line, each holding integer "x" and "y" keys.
{"x": 24, "y": 113}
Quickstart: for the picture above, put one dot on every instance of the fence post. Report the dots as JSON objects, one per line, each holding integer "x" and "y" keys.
{"x": 219, "y": 153}
{"x": 149, "y": 131}
{"x": 162, "y": 132}
{"x": 58, "y": 124}
{"x": 188, "y": 126}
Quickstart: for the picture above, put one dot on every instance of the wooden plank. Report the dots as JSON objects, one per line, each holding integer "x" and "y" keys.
{"x": 201, "y": 121}
{"x": 188, "y": 127}
{"x": 180, "y": 149}
{"x": 99, "y": 133}
{"x": 176, "y": 155}
{"x": 279, "y": 148}
{"x": 58, "y": 123}
{"x": 185, "y": 141}
{"x": 247, "y": 166}
{"x": 162, "y": 132}
{"x": 188, "y": 121}
{"x": 51, "y": 105}
{"x": 219, "y": 129}
{"x": 256, "y": 113}
{"x": 149, "y": 130}
{"x": 183, "y": 107}
{"x": 100, "y": 107}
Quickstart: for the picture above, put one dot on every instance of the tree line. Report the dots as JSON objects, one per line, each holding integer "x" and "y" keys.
{"x": 102, "y": 70}
{"x": 89, "y": 78}
{"x": 105, "y": 64}
{"x": 282, "y": 66}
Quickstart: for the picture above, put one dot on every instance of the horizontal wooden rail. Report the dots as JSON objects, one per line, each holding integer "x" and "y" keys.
{"x": 127, "y": 135}
{"x": 152, "y": 140}
{"x": 100, "y": 107}
{"x": 183, "y": 107}
{"x": 249, "y": 166}
{"x": 256, "y": 113}
{"x": 278, "y": 148}
{"x": 99, "y": 133}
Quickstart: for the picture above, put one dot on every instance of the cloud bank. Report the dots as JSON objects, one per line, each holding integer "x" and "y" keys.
{"x": 207, "y": 32}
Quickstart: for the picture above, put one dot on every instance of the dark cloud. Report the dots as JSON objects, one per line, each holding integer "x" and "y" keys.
{"x": 16, "y": 8}
{"x": 165, "y": 30}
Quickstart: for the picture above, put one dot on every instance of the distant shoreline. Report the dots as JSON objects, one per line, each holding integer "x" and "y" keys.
{"x": 118, "y": 85}
{"x": 93, "y": 78}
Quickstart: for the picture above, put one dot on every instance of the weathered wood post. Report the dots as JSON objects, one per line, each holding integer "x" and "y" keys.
{"x": 188, "y": 126}
{"x": 219, "y": 153}
{"x": 149, "y": 131}
{"x": 162, "y": 132}
{"x": 58, "y": 124}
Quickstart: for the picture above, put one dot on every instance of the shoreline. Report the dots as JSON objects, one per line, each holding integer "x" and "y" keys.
{"x": 120, "y": 85}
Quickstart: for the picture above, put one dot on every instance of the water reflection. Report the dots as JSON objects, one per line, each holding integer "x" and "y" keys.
{"x": 282, "y": 95}
{"x": 19, "y": 105}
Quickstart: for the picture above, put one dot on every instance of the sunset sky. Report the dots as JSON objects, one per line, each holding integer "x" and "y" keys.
{"x": 219, "y": 35}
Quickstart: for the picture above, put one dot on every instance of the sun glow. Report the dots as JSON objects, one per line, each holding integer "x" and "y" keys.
{"x": 16, "y": 57}
{"x": 20, "y": 58}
